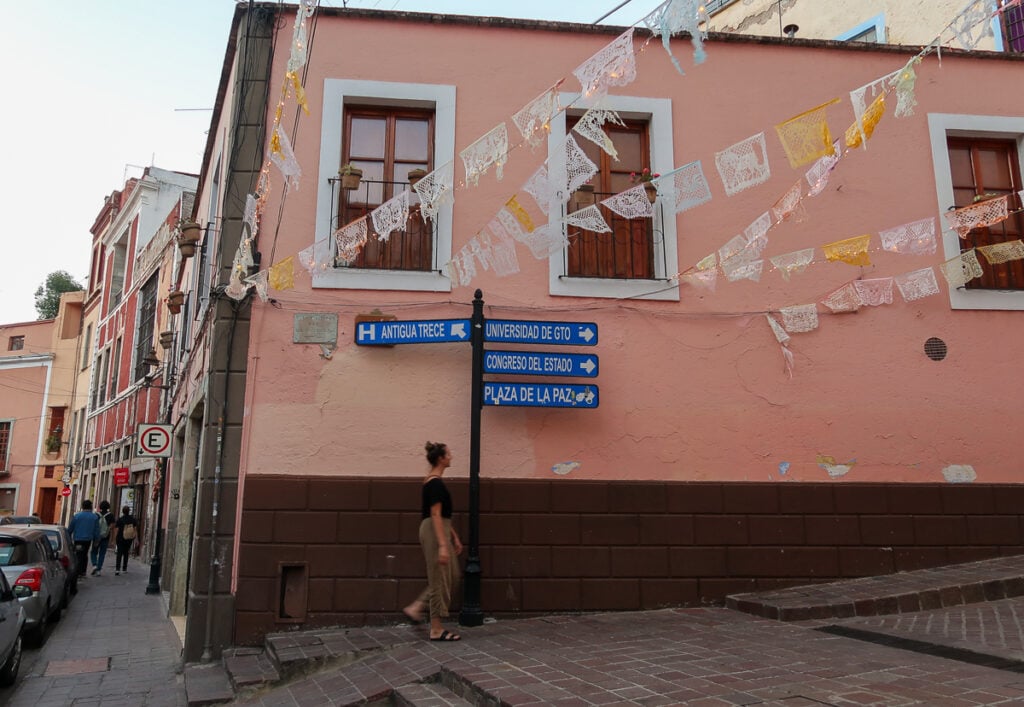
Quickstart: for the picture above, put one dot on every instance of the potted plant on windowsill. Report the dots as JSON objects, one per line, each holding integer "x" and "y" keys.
{"x": 350, "y": 176}
{"x": 175, "y": 300}
{"x": 646, "y": 178}
{"x": 584, "y": 193}
{"x": 53, "y": 444}
{"x": 415, "y": 175}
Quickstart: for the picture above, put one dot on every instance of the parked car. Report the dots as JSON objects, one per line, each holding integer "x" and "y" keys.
{"x": 19, "y": 520}
{"x": 64, "y": 546}
{"x": 12, "y": 620}
{"x": 30, "y": 564}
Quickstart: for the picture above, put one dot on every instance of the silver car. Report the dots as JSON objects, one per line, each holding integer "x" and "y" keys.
{"x": 36, "y": 575}
{"x": 64, "y": 546}
{"x": 12, "y": 620}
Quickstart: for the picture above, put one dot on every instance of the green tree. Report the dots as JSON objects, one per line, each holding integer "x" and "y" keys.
{"x": 48, "y": 294}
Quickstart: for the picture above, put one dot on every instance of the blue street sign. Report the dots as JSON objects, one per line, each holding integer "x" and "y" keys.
{"x": 417, "y": 331}
{"x": 511, "y": 331}
{"x": 541, "y": 363}
{"x": 540, "y": 395}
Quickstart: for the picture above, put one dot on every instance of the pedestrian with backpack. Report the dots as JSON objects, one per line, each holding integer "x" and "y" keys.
{"x": 99, "y": 549}
{"x": 126, "y": 529}
{"x": 84, "y": 529}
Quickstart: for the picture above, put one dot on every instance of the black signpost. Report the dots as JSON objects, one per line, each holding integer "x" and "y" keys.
{"x": 499, "y": 393}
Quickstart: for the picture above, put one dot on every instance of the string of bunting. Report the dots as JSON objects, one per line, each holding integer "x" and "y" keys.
{"x": 805, "y": 138}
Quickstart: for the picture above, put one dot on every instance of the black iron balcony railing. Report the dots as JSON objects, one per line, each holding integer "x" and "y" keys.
{"x": 628, "y": 252}
{"x": 413, "y": 247}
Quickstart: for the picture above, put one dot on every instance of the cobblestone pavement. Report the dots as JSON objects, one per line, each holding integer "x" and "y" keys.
{"x": 113, "y": 646}
{"x": 680, "y": 656}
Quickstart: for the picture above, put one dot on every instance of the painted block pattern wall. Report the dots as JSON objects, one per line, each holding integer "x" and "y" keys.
{"x": 322, "y": 552}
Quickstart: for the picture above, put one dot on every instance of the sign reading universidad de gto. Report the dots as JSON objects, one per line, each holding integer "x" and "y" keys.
{"x": 511, "y": 331}
{"x": 543, "y": 395}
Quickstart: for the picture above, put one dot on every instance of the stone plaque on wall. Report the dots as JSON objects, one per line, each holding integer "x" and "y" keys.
{"x": 315, "y": 329}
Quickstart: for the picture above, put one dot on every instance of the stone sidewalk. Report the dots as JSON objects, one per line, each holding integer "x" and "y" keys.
{"x": 113, "y": 646}
{"x": 959, "y": 654}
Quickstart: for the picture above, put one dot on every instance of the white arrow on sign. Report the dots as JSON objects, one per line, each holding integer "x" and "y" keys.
{"x": 459, "y": 329}
{"x": 586, "y": 333}
{"x": 588, "y": 365}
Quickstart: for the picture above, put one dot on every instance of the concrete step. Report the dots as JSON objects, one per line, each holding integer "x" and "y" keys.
{"x": 426, "y": 694}
{"x": 249, "y": 668}
{"x": 916, "y": 590}
{"x": 207, "y": 684}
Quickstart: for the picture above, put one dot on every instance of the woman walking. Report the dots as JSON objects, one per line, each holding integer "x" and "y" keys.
{"x": 127, "y": 530}
{"x": 441, "y": 546}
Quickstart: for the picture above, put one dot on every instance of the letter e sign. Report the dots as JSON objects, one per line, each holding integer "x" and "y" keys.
{"x": 153, "y": 441}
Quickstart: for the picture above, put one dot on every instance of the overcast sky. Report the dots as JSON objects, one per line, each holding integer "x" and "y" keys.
{"x": 101, "y": 90}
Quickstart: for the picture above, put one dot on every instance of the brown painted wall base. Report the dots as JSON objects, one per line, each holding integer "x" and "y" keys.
{"x": 344, "y": 551}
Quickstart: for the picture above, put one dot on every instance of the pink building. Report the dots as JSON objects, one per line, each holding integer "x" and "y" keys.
{"x": 26, "y": 371}
{"x": 706, "y": 457}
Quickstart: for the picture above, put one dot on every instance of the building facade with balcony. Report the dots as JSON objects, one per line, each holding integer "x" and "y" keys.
{"x": 134, "y": 257}
{"x": 717, "y": 459}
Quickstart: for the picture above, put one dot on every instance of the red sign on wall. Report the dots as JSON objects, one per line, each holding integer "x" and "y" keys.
{"x": 66, "y": 491}
{"x": 121, "y": 476}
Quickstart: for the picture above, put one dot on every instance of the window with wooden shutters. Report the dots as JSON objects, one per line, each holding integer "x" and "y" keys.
{"x": 144, "y": 328}
{"x": 986, "y": 168}
{"x": 5, "y": 445}
{"x": 627, "y": 252}
{"x": 386, "y": 143}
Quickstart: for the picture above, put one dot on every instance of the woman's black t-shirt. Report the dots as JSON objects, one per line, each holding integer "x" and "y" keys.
{"x": 434, "y": 491}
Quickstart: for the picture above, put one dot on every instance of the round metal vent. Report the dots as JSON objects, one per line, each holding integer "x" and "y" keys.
{"x": 935, "y": 349}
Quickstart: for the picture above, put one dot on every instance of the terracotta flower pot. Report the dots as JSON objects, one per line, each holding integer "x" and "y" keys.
{"x": 166, "y": 339}
{"x": 350, "y": 178}
{"x": 189, "y": 232}
{"x": 174, "y": 301}
{"x": 652, "y": 192}
{"x": 416, "y": 175}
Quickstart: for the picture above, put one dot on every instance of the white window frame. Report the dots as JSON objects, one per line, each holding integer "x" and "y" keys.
{"x": 437, "y": 97}
{"x": 877, "y": 23}
{"x": 658, "y": 114}
{"x": 940, "y": 127}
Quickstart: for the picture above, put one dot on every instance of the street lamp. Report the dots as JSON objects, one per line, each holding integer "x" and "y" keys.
{"x": 150, "y": 361}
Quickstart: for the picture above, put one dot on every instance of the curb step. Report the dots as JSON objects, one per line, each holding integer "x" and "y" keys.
{"x": 902, "y": 592}
{"x": 426, "y": 694}
{"x": 249, "y": 668}
{"x": 207, "y": 684}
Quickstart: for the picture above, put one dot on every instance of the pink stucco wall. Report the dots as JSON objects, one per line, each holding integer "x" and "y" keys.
{"x": 693, "y": 389}
{"x": 24, "y": 376}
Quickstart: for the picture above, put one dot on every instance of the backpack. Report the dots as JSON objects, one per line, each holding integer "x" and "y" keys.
{"x": 104, "y": 527}
{"x": 129, "y": 532}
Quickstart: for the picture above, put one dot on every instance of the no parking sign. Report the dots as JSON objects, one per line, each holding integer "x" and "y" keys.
{"x": 153, "y": 441}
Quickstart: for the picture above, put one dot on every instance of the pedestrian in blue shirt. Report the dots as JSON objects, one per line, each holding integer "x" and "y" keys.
{"x": 84, "y": 529}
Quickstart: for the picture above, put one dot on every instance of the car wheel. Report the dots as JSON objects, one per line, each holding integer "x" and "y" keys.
{"x": 9, "y": 670}
{"x": 55, "y": 616}
{"x": 37, "y": 636}
{"x": 74, "y": 586}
